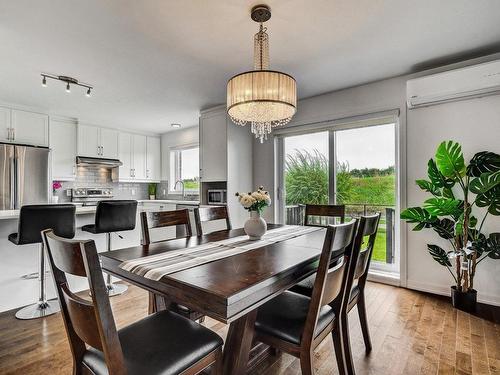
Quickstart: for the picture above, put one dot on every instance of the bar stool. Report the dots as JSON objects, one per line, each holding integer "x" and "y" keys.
{"x": 113, "y": 216}
{"x": 32, "y": 220}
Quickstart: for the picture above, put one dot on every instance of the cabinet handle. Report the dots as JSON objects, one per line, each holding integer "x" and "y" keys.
{"x": 8, "y": 134}
{"x": 102, "y": 150}
{"x": 13, "y": 134}
{"x": 147, "y": 173}
{"x": 74, "y": 170}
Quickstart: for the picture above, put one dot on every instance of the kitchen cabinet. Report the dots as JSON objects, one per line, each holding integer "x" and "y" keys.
{"x": 213, "y": 146}
{"x": 125, "y": 156}
{"x": 97, "y": 142}
{"x": 153, "y": 158}
{"x": 109, "y": 143}
{"x": 24, "y": 127}
{"x": 139, "y": 156}
{"x": 132, "y": 153}
{"x": 30, "y": 128}
{"x": 5, "y": 114}
{"x": 226, "y": 159}
{"x": 63, "y": 149}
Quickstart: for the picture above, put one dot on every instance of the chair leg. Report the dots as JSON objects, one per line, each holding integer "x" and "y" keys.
{"x": 344, "y": 325}
{"x": 364, "y": 322}
{"x": 113, "y": 289}
{"x": 217, "y": 366}
{"x": 152, "y": 304}
{"x": 306, "y": 364}
{"x": 339, "y": 352}
{"x": 42, "y": 307}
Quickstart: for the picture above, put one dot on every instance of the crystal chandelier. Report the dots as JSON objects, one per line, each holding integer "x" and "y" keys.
{"x": 263, "y": 98}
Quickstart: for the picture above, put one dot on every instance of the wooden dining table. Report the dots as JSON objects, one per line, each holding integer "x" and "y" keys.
{"x": 231, "y": 289}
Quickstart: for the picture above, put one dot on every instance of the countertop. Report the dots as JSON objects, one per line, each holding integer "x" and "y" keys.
{"x": 80, "y": 210}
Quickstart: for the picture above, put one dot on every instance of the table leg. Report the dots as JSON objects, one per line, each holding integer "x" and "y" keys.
{"x": 238, "y": 344}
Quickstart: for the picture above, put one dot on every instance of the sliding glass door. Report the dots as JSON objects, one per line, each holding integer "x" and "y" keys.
{"x": 354, "y": 165}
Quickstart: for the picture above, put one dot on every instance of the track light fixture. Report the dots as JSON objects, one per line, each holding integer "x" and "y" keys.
{"x": 69, "y": 81}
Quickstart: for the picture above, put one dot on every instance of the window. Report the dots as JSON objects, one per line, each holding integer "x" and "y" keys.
{"x": 184, "y": 166}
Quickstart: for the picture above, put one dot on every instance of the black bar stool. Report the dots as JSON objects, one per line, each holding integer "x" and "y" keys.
{"x": 32, "y": 220}
{"x": 113, "y": 216}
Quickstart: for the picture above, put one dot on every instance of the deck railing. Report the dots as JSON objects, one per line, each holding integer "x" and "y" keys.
{"x": 294, "y": 215}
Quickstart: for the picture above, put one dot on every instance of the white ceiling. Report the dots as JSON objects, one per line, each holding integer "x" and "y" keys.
{"x": 155, "y": 62}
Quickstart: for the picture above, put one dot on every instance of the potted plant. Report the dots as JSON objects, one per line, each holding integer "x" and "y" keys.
{"x": 152, "y": 190}
{"x": 255, "y": 202}
{"x": 463, "y": 196}
{"x": 56, "y": 185}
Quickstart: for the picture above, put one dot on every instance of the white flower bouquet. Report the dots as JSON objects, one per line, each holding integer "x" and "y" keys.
{"x": 255, "y": 201}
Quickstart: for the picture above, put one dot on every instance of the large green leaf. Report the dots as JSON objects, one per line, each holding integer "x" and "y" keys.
{"x": 479, "y": 242}
{"x": 483, "y": 162}
{"x": 450, "y": 160}
{"x": 490, "y": 199}
{"x": 418, "y": 215}
{"x": 429, "y": 187}
{"x": 442, "y": 206}
{"x": 439, "y": 255}
{"x": 436, "y": 177}
{"x": 444, "y": 227}
{"x": 485, "y": 182}
{"x": 493, "y": 245}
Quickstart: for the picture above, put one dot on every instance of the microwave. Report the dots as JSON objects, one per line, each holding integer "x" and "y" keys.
{"x": 216, "y": 196}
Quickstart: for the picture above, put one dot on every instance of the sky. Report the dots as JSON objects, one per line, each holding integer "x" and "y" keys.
{"x": 367, "y": 147}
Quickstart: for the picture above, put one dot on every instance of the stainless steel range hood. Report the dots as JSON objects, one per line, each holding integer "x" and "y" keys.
{"x": 98, "y": 162}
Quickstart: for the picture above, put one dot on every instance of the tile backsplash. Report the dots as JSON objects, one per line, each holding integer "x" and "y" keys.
{"x": 93, "y": 176}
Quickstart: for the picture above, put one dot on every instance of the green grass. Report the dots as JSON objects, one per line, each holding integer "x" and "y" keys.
{"x": 373, "y": 190}
{"x": 379, "y": 249}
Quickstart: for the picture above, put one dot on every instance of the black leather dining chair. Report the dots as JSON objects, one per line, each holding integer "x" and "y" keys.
{"x": 113, "y": 216}
{"x": 32, "y": 220}
{"x": 162, "y": 343}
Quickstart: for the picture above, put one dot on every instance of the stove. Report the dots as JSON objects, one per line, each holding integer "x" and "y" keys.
{"x": 90, "y": 196}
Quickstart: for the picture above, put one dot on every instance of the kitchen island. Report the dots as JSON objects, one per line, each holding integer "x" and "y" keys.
{"x": 21, "y": 260}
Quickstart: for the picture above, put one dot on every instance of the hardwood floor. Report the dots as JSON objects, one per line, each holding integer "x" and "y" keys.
{"x": 412, "y": 333}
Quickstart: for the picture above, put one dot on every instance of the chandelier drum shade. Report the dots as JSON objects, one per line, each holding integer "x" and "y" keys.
{"x": 262, "y": 97}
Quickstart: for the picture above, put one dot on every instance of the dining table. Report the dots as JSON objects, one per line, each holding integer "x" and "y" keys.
{"x": 229, "y": 289}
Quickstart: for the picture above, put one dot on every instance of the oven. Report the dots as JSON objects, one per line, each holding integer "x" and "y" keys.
{"x": 90, "y": 196}
{"x": 216, "y": 196}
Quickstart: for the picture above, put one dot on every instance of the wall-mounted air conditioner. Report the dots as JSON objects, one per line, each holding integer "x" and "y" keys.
{"x": 468, "y": 82}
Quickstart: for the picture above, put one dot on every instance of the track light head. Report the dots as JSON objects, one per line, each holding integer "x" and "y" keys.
{"x": 68, "y": 89}
{"x": 44, "y": 81}
{"x": 89, "y": 93}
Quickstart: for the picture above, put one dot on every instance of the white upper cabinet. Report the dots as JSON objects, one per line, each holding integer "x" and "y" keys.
{"x": 109, "y": 143}
{"x": 153, "y": 159}
{"x": 97, "y": 142}
{"x": 139, "y": 156}
{"x": 5, "y": 130}
{"x": 88, "y": 141}
{"x": 125, "y": 156}
{"x": 24, "y": 127}
{"x": 63, "y": 149}
{"x": 213, "y": 146}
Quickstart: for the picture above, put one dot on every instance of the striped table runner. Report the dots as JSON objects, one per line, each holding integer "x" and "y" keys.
{"x": 154, "y": 267}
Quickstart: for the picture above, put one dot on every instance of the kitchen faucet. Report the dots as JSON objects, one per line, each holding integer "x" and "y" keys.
{"x": 183, "y": 190}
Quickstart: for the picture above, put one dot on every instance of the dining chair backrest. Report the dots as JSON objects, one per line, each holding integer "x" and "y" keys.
{"x": 204, "y": 214}
{"x": 86, "y": 321}
{"x": 323, "y": 211}
{"x": 368, "y": 228}
{"x": 164, "y": 219}
{"x": 330, "y": 282}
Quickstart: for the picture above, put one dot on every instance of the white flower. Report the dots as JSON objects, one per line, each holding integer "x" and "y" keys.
{"x": 247, "y": 200}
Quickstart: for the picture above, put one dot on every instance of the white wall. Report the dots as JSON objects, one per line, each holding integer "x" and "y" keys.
{"x": 175, "y": 139}
{"x": 475, "y": 123}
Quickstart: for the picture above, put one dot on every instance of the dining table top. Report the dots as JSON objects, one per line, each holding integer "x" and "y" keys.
{"x": 228, "y": 288}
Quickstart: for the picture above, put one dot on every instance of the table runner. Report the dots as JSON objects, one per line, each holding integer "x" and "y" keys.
{"x": 154, "y": 267}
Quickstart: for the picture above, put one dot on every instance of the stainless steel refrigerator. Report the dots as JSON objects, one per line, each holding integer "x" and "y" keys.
{"x": 24, "y": 174}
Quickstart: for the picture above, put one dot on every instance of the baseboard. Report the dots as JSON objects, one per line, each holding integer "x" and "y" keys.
{"x": 384, "y": 277}
{"x": 445, "y": 291}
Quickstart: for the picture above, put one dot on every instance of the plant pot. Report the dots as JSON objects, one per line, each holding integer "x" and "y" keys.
{"x": 55, "y": 199}
{"x": 152, "y": 197}
{"x": 255, "y": 226}
{"x": 465, "y": 301}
